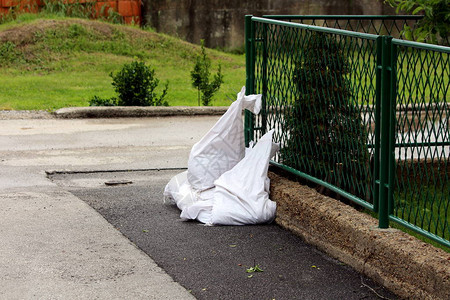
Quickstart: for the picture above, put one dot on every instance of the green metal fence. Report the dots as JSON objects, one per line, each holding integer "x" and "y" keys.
{"x": 363, "y": 115}
{"x": 381, "y": 25}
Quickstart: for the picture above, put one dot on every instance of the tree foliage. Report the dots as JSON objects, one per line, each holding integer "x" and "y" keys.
{"x": 434, "y": 27}
{"x": 326, "y": 135}
{"x": 200, "y": 76}
{"x": 135, "y": 85}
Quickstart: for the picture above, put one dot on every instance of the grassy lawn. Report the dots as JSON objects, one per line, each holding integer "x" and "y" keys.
{"x": 426, "y": 206}
{"x": 49, "y": 63}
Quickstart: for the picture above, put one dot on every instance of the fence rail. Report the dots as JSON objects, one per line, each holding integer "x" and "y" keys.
{"x": 364, "y": 115}
{"x": 374, "y": 24}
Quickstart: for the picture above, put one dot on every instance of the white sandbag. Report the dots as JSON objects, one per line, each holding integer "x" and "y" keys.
{"x": 223, "y": 146}
{"x": 193, "y": 204}
{"x": 273, "y": 151}
{"x": 201, "y": 209}
{"x": 241, "y": 195}
{"x": 221, "y": 186}
{"x": 178, "y": 191}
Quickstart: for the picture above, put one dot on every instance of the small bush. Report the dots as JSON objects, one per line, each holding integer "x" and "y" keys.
{"x": 98, "y": 101}
{"x": 135, "y": 85}
{"x": 200, "y": 78}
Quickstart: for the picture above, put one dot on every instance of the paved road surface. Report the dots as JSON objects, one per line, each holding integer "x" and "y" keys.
{"x": 56, "y": 246}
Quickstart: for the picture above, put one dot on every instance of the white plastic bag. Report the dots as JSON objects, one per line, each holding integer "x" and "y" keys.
{"x": 193, "y": 204}
{"x": 274, "y": 150}
{"x": 201, "y": 209}
{"x": 178, "y": 191}
{"x": 221, "y": 186}
{"x": 223, "y": 146}
{"x": 241, "y": 194}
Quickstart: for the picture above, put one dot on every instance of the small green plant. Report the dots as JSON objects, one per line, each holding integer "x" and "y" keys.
{"x": 67, "y": 9}
{"x": 135, "y": 85}
{"x": 9, "y": 53}
{"x": 77, "y": 9}
{"x": 98, "y": 101}
{"x": 77, "y": 30}
{"x": 200, "y": 77}
{"x": 108, "y": 14}
{"x": 8, "y": 17}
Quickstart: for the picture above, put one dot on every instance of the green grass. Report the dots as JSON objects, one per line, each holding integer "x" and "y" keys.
{"x": 426, "y": 206}
{"x": 53, "y": 62}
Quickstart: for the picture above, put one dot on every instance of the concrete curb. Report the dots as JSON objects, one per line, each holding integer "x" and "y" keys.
{"x": 405, "y": 265}
{"x": 137, "y": 111}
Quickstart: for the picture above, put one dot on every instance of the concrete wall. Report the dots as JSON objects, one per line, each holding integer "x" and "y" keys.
{"x": 221, "y": 23}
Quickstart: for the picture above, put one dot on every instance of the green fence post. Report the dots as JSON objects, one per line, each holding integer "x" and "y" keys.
{"x": 385, "y": 131}
{"x": 392, "y": 123}
{"x": 264, "y": 107}
{"x": 249, "y": 122}
{"x": 376, "y": 155}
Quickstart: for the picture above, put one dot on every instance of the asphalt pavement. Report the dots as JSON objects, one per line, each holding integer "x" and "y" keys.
{"x": 68, "y": 235}
{"x": 212, "y": 261}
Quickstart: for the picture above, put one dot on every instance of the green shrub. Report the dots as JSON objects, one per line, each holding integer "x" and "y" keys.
{"x": 98, "y": 101}
{"x": 135, "y": 85}
{"x": 326, "y": 135}
{"x": 200, "y": 78}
